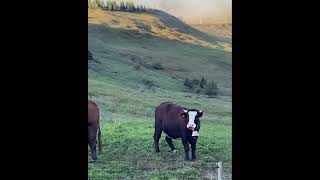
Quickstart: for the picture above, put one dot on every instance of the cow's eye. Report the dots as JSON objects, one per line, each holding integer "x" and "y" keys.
{"x": 184, "y": 115}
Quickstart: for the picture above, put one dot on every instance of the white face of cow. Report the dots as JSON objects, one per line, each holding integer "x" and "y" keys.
{"x": 192, "y": 116}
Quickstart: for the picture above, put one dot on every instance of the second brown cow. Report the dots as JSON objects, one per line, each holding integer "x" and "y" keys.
{"x": 93, "y": 129}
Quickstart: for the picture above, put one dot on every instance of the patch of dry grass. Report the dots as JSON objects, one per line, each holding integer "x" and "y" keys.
{"x": 131, "y": 21}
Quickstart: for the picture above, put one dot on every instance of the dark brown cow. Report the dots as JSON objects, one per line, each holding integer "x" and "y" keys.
{"x": 93, "y": 128}
{"x": 177, "y": 122}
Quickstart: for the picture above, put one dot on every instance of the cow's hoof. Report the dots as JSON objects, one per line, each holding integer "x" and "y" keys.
{"x": 175, "y": 151}
{"x": 94, "y": 158}
{"x": 157, "y": 151}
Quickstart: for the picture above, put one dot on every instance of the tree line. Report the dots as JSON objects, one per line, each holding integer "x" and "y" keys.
{"x": 116, "y": 6}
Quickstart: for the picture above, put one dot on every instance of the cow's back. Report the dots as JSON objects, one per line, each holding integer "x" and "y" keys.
{"x": 163, "y": 110}
{"x": 168, "y": 115}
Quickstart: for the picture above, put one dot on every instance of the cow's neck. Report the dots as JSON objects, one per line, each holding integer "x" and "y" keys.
{"x": 195, "y": 133}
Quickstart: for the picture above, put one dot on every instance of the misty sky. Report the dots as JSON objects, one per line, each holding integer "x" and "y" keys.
{"x": 191, "y": 9}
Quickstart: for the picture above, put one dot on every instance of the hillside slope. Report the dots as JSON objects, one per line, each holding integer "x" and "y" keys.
{"x": 122, "y": 40}
{"x": 173, "y": 22}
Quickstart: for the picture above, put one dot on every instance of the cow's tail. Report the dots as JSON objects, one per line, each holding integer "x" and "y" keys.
{"x": 99, "y": 141}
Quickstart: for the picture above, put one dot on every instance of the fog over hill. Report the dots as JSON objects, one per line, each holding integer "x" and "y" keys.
{"x": 192, "y": 10}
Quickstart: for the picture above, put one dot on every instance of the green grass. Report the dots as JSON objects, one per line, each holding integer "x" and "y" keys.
{"x": 129, "y": 152}
{"x": 127, "y": 133}
{"x": 127, "y": 106}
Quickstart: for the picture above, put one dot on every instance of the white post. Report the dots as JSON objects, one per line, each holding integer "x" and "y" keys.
{"x": 219, "y": 170}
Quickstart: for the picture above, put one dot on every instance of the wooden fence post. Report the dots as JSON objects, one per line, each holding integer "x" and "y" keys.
{"x": 219, "y": 170}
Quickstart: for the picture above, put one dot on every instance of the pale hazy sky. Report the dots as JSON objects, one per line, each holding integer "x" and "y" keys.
{"x": 191, "y": 9}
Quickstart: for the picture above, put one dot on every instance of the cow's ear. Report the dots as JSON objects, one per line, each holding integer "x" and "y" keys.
{"x": 200, "y": 113}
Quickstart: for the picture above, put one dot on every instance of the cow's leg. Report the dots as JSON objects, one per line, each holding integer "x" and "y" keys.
{"x": 193, "y": 149}
{"x": 193, "y": 143}
{"x": 169, "y": 141}
{"x": 92, "y": 141}
{"x": 156, "y": 137}
{"x": 186, "y": 149}
{"x": 93, "y": 146}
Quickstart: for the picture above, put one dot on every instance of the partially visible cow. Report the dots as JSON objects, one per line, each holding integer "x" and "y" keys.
{"x": 177, "y": 122}
{"x": 93, "y": 129}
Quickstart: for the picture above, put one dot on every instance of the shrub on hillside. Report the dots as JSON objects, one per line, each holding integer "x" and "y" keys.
{"x": 203, "y": 82}
{"x": 137, "y": 67}
{"x": 195, "y": 82}
{"x": 212, "y": 89}
{"x": 148, "y": 83}
{"x": 115, "y": 21}
{"x": 188, "y": 83}
{"x": 195, "y": 86}
{"x": 157, "y": 66}
{"x": 143, "y": 26}
{"x": 90, "y": 56}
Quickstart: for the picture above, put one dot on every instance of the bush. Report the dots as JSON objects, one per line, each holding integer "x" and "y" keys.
{"x": 148, "y": 83}
{"x": 115, "y": 21}
{"x": 195, "y": 82}
{"x": 203, "y": 82}
{"x": 191, "y": 83}
{"x": 143, "y": 26}
{"x": 90, "y": 56}
{"x": 188, "y": 83}
{"x": 212, "y": 89}
{"x": 137, "y": 67}
{"x": 157, "y": 66}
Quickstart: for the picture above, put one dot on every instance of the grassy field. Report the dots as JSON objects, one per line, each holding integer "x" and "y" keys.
{"x": 121, "y": 41}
